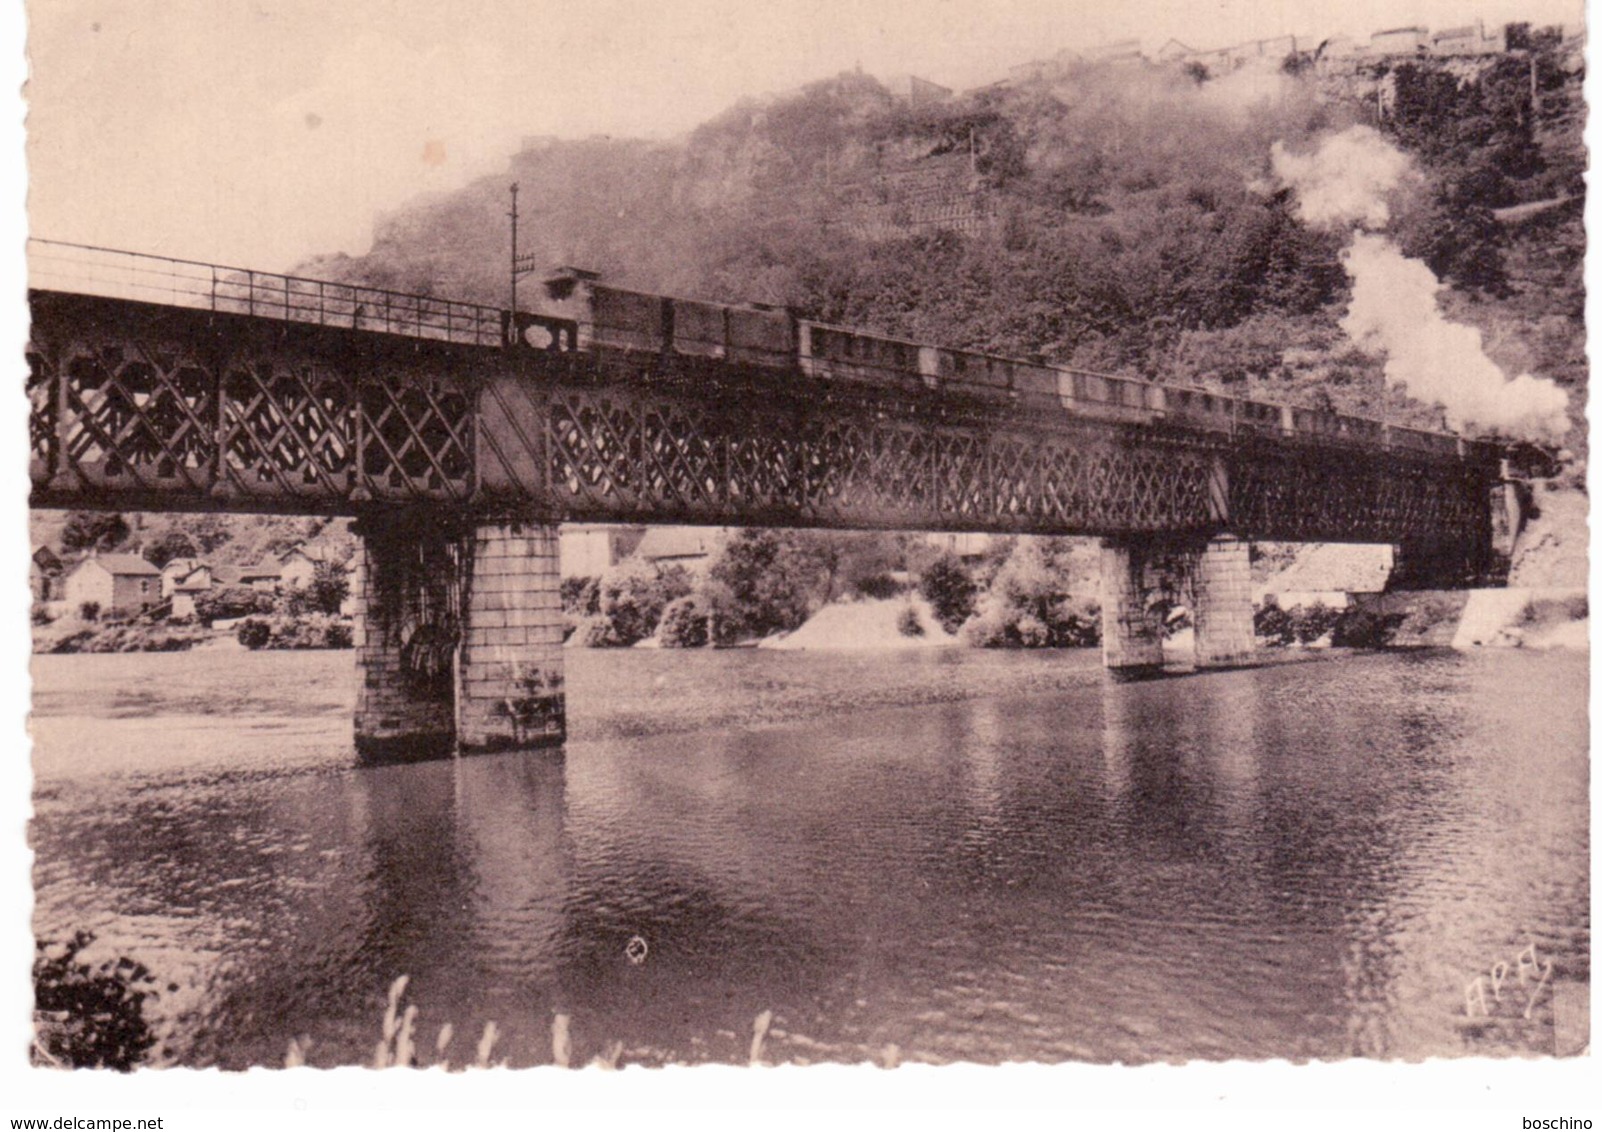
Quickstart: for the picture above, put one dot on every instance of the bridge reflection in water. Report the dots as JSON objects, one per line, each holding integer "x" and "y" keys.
{"x": 1300, "y": 860}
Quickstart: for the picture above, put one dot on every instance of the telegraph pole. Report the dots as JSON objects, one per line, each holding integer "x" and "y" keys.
{"x": 521, "y": 264}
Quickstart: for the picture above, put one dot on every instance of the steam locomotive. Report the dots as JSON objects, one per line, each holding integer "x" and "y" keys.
{"x": 611, "y": 321}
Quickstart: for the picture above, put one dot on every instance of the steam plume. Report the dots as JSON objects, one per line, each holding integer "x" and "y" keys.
{"x": 1394, "y": 306}
{"x": 1347, "y": 184}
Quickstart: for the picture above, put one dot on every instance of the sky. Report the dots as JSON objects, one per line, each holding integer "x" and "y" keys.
{"x": 259, "y": 132}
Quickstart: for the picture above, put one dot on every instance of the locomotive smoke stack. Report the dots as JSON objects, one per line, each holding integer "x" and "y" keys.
{"x": 1350, "y": 184}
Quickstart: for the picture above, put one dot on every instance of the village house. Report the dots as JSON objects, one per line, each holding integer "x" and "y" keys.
{"x": 1469, "y": 40}
{"x": 916, "y": 92}
{"x": 1121, "y": 51}
{"x": 587, "y": 550}
{"x": 186, "y": 588}
{"x": 1051, "y": 67}
{"x": 1174, "y": 52}
{"x": 119, "y": 584}
{"x": 967, "y": 545}
{"x": 178, "y": 570}
{"x": 690, "y": 547}
{"x": 298, "y": 565}
{"x": 1341, "y": 54}
{"x": 264, "y": 577}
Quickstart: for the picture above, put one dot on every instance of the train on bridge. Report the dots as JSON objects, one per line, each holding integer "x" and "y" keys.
{"x": 616, "y": 323}
{"x": 630, "y": 332}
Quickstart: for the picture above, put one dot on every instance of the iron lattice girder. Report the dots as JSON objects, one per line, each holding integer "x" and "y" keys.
{"x": 141, "y": 405}
{"x": 1305, "y": 494}
{"x": 620, "y": 452}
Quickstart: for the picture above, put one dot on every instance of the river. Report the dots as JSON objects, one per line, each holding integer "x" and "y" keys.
{"x": 933, "y": 855}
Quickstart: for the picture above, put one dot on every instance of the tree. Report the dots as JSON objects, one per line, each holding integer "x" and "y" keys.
{"x": 94, "y": 530}
{"x": 328, "y": 588}
{"x": 172, "y": 544}
{"x": 210, "y": 532}
{"x": 767, "y": 580}
{"x": 92, "y": 1014}
{"x": 1030, "y": 603}
{"x": 629, "y": 602}
{"x": 949, "y": 590}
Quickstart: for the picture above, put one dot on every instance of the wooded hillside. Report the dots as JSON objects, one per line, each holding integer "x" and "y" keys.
{"x": 1135, "y": 221}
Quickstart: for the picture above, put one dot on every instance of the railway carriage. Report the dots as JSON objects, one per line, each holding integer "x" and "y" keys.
{"x": 614, "y": 320}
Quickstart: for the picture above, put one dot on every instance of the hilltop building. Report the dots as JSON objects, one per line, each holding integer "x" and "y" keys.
{"x": 1399, "y": 41}
{"x": 915, "y": 92}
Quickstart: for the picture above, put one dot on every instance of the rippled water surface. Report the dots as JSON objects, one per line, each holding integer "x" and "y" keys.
{"x": 962, "y": 855}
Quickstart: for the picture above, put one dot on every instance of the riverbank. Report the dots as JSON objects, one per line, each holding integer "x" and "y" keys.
{"x": 308, "y": 631}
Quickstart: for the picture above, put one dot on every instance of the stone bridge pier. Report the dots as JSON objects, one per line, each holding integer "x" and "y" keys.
{"x": 1142, "y": 578}
{"x": 458, "y": 635}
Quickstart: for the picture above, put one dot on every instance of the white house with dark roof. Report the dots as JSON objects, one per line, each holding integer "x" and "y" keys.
{"x": 186, "y": 588}
{"x": 117, "y": 583}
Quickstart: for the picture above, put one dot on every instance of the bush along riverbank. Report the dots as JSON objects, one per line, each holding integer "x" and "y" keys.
{"x": 819, "y": 590}
{"x": 299, "y": 618}
{"x": 765, "y": 585}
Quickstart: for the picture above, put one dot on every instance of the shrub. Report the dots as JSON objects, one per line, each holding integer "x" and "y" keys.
{"x": 1365, "y": 629}
{"x": 89, "y": 610}
{"x": 630, "y": 601}
{"x": 762, "y": 583}
{"x": 1309, "y": 623}
{"x": 94, "y": 530}
{"x": 595, "y": 633}
{"x": 1302, "y": 625}
{"x": 325, "y": 593}
{"x": 950, "y": 591}
{"x": 908, "y": 623}
{"x": 1272, "y": 624}
{"x": 90, "y": 1016}
{"x": 311, "y": 631}
{"x": 684, "y": 624}
{"x": 75, "y": 642}
{"x": 581, "y": 596}
{"x": 1029, "y": 606}
{"x": 223, "y": 603}
{"x": 879, "y": 587}
{"x": 172, "y": 544}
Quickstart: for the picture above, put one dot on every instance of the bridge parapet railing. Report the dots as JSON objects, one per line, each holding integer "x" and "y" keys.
{"x": 88, "y": 270}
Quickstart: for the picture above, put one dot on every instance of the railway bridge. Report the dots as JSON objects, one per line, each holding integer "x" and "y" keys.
{"x": 459, "y": 436}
